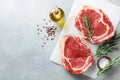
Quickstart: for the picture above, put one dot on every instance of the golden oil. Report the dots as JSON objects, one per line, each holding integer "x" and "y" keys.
{"x": 57, "y": 16}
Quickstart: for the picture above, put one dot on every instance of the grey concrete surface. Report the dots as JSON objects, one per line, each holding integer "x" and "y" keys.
{"x": 21, "y": 54}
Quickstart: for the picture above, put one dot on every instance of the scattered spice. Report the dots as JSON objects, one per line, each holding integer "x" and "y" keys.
{"x": 38, "y": 33}
{"x": 46, "y": 23}
{"x": 43, "y": 19}
{"x": 38, "y": 29}
{"x": 49, "y": 20}
{"x": 52, "y": 38}
{"x": 51, "y": 30}
{"x": 48, "y": 31}
{"x": 37, "y": 25}
{"x": 44, "y": 42}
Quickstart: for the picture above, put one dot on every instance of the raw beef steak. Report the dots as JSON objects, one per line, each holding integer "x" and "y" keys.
{"x": 76, "y": 55}
{"x": 94, "y": 24}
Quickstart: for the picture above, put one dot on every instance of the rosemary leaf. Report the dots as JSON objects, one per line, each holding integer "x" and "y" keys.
{"x": 108, "y": 66}
{"x": 87, "y": 25}
{"x": 108, "y": 45}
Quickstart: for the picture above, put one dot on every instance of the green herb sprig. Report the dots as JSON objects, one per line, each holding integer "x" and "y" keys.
{"x": 108, "y": 45}
{"x": 87, "y": 25}
{"x": 108, "y": 66}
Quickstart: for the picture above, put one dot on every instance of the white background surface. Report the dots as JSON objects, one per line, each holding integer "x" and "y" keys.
{"x": 21, "y": 54}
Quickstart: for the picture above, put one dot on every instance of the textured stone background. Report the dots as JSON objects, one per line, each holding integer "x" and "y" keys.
{"x": 21, "y": 54}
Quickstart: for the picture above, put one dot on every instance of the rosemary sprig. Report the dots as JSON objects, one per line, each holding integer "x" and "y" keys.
{"x": 87, "y": 25}
{"x": 108, "y": 66}
{"x": 108, "y": 45}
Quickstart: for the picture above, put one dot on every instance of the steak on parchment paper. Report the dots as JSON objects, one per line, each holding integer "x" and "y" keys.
{"x": 100, "y": 25}
{"x": 76, "y": 56}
